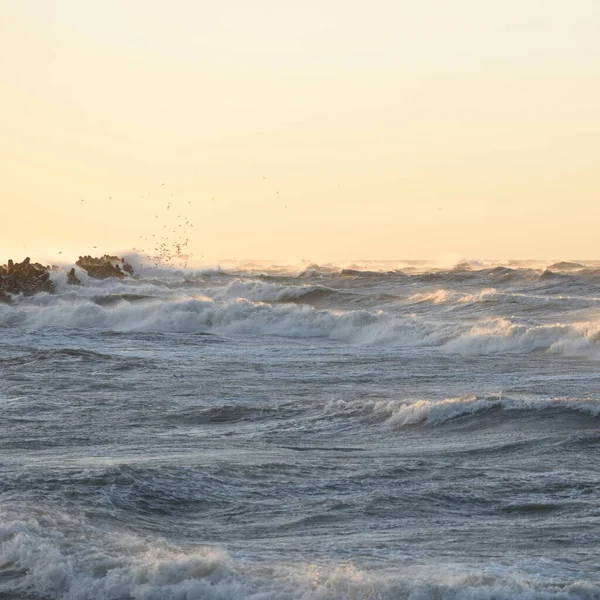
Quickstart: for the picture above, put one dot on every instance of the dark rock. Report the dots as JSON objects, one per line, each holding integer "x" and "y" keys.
{"x": 105, "y": 266}
{"x": 72, "y": 279}
{"x": 24, "y": 278}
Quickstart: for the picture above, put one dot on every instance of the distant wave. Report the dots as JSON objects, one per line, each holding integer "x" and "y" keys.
{"x": 442, "y": 296}
{"x": 406, "y": 413}
{"x": 494, "y": 272}
{"x": 441, "y": 411}
{"x": 362, "y": 273}
{"x": 311, "y": 294}
{"x": 260, "y": 291}
{"x": 565, "y": 266}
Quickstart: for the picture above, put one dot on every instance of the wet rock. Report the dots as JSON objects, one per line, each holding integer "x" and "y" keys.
{"x": 72, "y": 279}
{"x": 24, "y": 278}
{"x": 104, "y": 267}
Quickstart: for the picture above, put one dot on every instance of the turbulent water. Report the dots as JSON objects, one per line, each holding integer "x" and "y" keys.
{"x": 262, "y": 432}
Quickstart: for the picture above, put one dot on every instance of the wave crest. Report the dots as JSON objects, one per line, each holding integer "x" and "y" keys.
{"x": 434, "y": 412}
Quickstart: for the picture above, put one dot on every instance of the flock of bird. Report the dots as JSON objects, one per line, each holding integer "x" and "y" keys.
{"x": 168, "y": 246}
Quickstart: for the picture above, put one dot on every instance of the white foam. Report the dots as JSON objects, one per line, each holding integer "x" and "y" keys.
{"x": 505, "y": 335}
{"x": 176, "y": 311}
{"x": 400, "y": 413}
{"x": 66, "y": 559}
{"x": 194, "y": 315}
{"x": 440, "y": 411}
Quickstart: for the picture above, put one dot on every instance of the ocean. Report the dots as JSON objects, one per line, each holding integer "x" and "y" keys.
{"x": 252, "y": 431}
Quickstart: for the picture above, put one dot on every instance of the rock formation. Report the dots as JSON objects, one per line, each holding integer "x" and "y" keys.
{"x": 105, "y": 266}
{"x": 24, "y": 278}
{"x": 72, "y": 279}
{"x": 29, "y": 278}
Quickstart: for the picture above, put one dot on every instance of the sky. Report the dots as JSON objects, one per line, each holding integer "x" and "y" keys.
{"x": 315, "y": 129}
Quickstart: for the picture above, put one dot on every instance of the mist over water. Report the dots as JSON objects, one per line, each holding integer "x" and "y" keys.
{"x": 373, "y": 429}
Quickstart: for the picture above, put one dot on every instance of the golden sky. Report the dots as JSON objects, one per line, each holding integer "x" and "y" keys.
{"x": 320, "y": 129}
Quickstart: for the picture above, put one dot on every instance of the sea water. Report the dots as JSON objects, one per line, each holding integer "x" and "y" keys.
{"x": 317, "y": 432}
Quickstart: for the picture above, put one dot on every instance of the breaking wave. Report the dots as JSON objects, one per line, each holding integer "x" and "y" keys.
{"x": 52, "y": 558}
{"x": 435, "y": 412}
{"x": 175, "y": 312}
{"x": 403, "y": 413}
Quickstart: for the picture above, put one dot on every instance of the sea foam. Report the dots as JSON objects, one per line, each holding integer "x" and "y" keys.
{"x": 58, "y": 559}
{"x": 176, "y": 311}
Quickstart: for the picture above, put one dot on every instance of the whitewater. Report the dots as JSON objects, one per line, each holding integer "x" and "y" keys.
{"x": 256, "y": 431}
